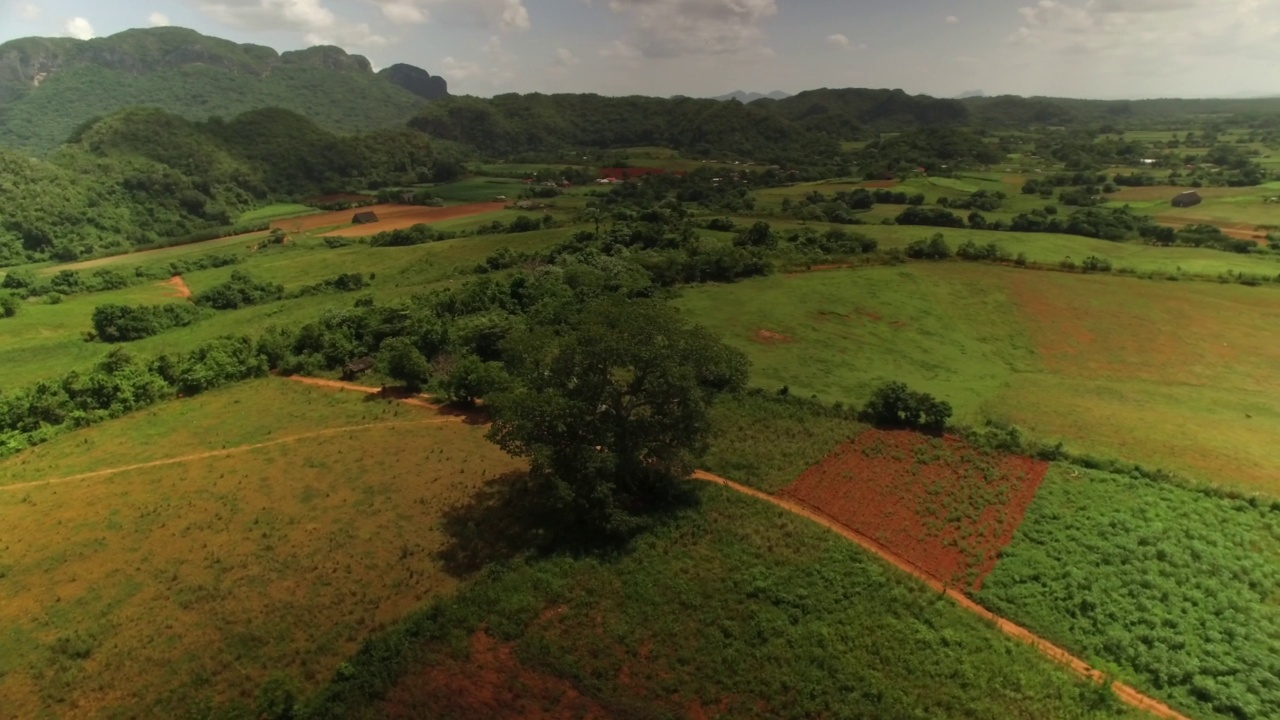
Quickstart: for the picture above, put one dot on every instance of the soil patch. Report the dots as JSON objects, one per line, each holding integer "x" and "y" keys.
{"x": 179, "y": 286}
{"x": 768, "y": 337}
{"x": 390, "y": 217}
{"x": 946, "y": 507}
{"x": 491, "y": 683}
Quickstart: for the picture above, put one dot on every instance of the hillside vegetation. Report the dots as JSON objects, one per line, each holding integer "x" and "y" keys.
{"x": 49, "y": 86}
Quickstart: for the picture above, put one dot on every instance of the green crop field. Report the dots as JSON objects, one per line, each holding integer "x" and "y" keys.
{"x": 478, "y": 189}
{"x": 1173, "y": 590}
{"x": 1168, "y": 374}
{"x": 162, "y": 591}
{"x": 737, "y": 609}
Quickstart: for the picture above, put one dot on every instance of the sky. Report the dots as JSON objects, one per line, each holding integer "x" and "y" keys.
{"x": 1067, "y": 48}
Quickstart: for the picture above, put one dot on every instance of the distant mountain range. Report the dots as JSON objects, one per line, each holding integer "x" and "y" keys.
{"x": 749, "y": 97}
{"x": 51, "y": 86}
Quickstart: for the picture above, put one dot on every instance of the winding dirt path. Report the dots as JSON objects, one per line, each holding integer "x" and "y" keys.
{"x": 1126, "y": 693}
{"x": 222, "y": 453}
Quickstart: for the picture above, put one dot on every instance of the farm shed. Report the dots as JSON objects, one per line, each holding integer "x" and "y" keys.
{"x": 1190, "y": 198}
{"x": 364, "y": 218}
{"x": 356, "y": 368}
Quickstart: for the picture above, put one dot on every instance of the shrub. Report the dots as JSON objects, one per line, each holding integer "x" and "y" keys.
{"x": 935, "y": 248}
{"x": 125, "y": 323}
{"x": 896, "y": 406}
{"x": 1093, "y": 263}
{"x": 9, "y": 304}
{"x": 242, "y": 290}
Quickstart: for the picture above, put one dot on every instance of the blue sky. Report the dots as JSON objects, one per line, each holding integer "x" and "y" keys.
{"x": 1078, "y": 48}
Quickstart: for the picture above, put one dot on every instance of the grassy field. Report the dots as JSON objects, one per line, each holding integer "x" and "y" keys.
{"x": 737, "y": 609}
{"x": 276, "y": 212}
{"x": 478, "y": 189}
{"x": 1172, "y": 589}
{"x": 161, "y": 591}
{"x": 45, "y": 341}
{"x": 1171, "y": 375}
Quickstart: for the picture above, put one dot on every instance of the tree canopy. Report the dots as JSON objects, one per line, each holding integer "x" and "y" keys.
{"x": 612, "y": 408}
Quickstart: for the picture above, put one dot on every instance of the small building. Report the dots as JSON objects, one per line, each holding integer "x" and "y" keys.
{"x": 1190, "y": 198}
{"x": 356, "y": 368}
{"x": 364, "y": 218}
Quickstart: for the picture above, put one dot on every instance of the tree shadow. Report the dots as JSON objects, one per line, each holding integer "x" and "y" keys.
{"x": 501, "y": 522}
{"x": 510, "y": 518}
{"x": 471, "y": 415}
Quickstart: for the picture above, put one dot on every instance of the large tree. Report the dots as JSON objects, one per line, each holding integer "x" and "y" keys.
{"x": 611, "y": 408}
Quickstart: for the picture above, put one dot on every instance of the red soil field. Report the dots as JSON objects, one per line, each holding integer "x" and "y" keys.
{"x": 944, "y": 506}
{"x": 492, "y": 683}
{"x": 390, "y": 217}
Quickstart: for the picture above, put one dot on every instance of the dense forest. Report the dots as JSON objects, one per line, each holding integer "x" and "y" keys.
{"x": 144, "y": 176}
{"x": 48, "y": 86}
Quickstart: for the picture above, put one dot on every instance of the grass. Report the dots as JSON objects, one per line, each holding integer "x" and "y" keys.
{"x": 478, "y": 189}
{"x": 766, "y": 441}
{"x": 1170, "y": 375}
{"x": 276, "y": 212}
{"x": 737, "y": 609}
{"x": 164, "y": 591}
{"x": 1173, "y": 589}
{"x": 45, "y": 341}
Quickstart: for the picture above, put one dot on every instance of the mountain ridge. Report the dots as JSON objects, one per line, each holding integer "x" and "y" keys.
{"x": 49, "y": 86}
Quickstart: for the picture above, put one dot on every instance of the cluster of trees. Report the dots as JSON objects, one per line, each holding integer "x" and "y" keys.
{"x": 896, "y": 406}
{"x": 983, "y": 200}
{"x": 242, "y": 290}
{"x": 119, "y": 384}
{"x": 342, "y": 282}
{"x": 932, "y": 150}
{"x": 935, "y": 217}
{"x": 842, "y": 207}
{"x": 126, "y": 323}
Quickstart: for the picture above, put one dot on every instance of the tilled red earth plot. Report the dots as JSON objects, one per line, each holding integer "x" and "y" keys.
{"x": 944, "y": 506}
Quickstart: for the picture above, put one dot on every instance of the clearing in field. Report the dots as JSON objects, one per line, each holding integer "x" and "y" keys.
{"x": 946, "y": 507}
{"x": 158, "y": 590}
{"x": 390, "y": 217}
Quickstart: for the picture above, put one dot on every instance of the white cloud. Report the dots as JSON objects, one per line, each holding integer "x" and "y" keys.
{"x": 495, "y": 15}
{"x": 158, "y": 20}
{"x": 78, "y": 28}
{"x": 28, "y": 11}
{"x": 357, "y": 36}
{"x": 458, "y": 70}
{"x": 272, "y": 14}
{"x": 674, "y": 28}
{"x": 953, "y": 20}
{"x": 842, "y": 42}
{"x": 565, "y": 58}
{"x": 497, "y": 70}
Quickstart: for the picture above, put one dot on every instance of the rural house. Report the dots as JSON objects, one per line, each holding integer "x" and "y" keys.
{"x": 356, "y": 368}
{"x": 364, "y": 218}
{"x": 1190, "y": 198}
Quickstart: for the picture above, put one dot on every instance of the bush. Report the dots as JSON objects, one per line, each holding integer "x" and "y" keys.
{"x": 1093, "y": 263}
{"x": 242, "y": 290}
{"x": 935, "y": 248}
{"x": 400, "y": 359}
{"x": 937, "y": 217}
{"x": 124, "y": 323}
{"x": 9, "y": 304}
{"x": 896, "y": 406}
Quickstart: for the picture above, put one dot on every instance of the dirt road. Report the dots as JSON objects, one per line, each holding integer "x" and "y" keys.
{"x": 1124, "y": 692}
{"x": 179, "y": 286}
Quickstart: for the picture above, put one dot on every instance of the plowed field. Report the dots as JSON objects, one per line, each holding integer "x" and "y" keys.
{"x": 944, "y": 506}
{"x": 390, "y": 217}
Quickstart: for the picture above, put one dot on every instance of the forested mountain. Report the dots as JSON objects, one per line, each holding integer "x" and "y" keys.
{"x": 142, "y": 176}
{"x": 49, "y": 86}
{"x": 745, "y": 97}
{"x": 511, "y": 125}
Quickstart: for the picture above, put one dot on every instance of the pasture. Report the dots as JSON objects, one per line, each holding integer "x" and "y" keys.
{"x": 163, "y": 590}
{"x": 735, "y": 609}
{"x": 1171, "y": 375}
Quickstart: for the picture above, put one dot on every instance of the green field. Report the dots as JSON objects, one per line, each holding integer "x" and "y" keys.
{"x": 737, "y": 609}
{"x": 478, "y": 189}
{"x": 1091, "y": 360}
{"x": 276, "y": 212}
{"x": 1174, "y": 590}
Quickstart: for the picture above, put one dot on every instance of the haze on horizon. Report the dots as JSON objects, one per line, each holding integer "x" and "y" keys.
{"x": 1069, "y": 48}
